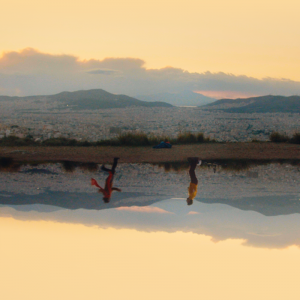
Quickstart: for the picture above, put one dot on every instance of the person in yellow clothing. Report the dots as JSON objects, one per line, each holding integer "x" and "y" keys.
{"x": 192, "y": 189}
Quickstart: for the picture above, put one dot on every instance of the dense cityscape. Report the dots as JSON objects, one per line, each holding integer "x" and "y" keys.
{"x": 23, "y": 119}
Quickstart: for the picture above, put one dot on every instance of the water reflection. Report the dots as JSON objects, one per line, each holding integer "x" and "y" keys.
{"x": 70, "y": 166}
{"x": 7, "y": 164}
{"x": 258, "y": 203}
{"x": 53, "y": 226}
{"x": 88, "y": 262}
{"x": 218, "y": 221}
{"x": 229, "y": 164}
{"x": 193, "y": 187}
{"x": 108, "y": 189}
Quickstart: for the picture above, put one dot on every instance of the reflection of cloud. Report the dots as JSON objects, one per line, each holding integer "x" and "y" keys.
{"x": 218, "y": 221}
{"x": 144, "y": 209}
{"x": 192, "y": 213}
{"x": 30, "y": 72}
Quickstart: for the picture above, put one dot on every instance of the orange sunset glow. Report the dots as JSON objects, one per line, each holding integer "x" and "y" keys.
{"x": 225, "y": 94}
{"x": 258, "y": 39}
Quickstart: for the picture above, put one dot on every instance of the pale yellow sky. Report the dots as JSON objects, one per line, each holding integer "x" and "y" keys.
{"x": 258, "y": 38}
{"x": 51, "y": 260}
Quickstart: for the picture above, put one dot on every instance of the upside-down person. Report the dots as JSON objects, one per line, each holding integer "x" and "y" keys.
{"x": 192, "y": 189}
{"x": 108, "y": 189}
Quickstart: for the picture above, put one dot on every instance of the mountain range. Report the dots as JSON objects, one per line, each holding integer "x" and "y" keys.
{"x": 100, "y": 99}
{"x": 184, "y": 98}
{"x": 90, "y": 99}
{"x": 263, "y": 104}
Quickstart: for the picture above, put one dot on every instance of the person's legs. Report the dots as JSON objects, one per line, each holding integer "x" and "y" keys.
{"x": 103, "y": 168}
{"x": 193, "y": 164}
{"x": 114, "y": 164}
{"x": 113, "y": 167}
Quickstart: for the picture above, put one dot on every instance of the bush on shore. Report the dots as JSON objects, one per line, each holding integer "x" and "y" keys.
{"x": 276, "y": 137}
{"x": 191, "y": 138}
{"x": 295, "y": 139}
{"x": 16, "y": 141}
{"x": 65, "y": 142}
{"x": 127, "y": 139}
{"x": 142, "y": 139}
{"x": 135, "y": 139}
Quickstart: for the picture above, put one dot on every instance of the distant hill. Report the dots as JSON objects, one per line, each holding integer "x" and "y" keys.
{"x": 185, "y": 98}
{"x": 95, "y": 99}
{"x": 91, "y": 99}
{"x": 264, "y": 104}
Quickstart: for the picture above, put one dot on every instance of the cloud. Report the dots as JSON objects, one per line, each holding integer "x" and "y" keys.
{"x": 226, "y": 94}
{"x": 124, "y": 64}
{"x": 264, "y": 235}
{"x": 30, "y": 72}
{"x": 102, "y": 72}
{"x": 143, "y": 209}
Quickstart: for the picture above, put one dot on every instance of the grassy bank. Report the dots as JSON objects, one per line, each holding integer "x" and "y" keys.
{"x": 134, "y": 139}
{"x": 128, "y": 139}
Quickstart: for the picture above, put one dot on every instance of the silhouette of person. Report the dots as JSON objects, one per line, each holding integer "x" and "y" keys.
{"x": 192, "y": 189}
{"x": 108, "y": 189}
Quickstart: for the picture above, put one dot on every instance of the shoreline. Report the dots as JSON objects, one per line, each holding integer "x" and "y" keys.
{"x": 178, "y": 153}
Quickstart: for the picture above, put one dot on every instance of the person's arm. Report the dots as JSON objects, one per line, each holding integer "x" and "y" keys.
{"x": 101, "y": 190}
{"x": 95, "y": 183}
{"x": 116, "y": 189}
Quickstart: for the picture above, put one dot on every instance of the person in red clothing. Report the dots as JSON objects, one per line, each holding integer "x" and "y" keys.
{"x": 108, "y": 189}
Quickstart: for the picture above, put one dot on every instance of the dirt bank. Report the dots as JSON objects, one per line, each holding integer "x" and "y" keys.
{"x": 148, "y": 154}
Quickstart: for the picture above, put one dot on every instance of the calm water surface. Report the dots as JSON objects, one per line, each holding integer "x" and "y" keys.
{"x": 238, "y": 240}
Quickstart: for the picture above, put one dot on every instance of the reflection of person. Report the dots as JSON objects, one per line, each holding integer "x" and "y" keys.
{"x": 108, "y": 189}
{"x": 192, "y": 189}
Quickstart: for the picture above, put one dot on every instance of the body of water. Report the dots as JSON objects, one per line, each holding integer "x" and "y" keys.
{"x": 237, "y": 239}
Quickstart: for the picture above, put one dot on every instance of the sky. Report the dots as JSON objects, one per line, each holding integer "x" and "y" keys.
{"x": 218, "y": 48}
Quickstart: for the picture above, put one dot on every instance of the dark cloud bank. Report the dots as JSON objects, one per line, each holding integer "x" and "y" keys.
{"x": 30, "y": 72}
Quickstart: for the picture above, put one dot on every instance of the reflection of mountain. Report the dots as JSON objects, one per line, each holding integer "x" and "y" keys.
{"x": 75, "y": 200}
{"x": 267, "y": 206}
